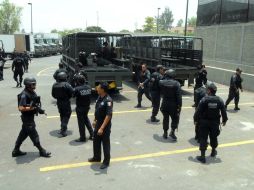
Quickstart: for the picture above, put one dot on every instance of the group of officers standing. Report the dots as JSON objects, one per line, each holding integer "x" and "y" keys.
{"x": 209, "y": 107}
{"x": 161, "y": 83}
{"x": 100, "y": 129}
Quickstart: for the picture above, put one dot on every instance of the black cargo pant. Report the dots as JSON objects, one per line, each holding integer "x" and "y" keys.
{"x": 1, "y": 73}
{"x": 19, "y": 74}
{"x": 155, "y": 97}
{"x": 65, "y": 114}
{"x": 174, "y": 117}
{"x": 195, "y": 93}
{"x": 83, "y": 121}
{"x": 26, "y": 65}
{"x": 142, "y": 91}
{"x": 105, "y": 141}
{"x": 28, "y": 130}
{"x": 208, "y": 128}
{"x": 233, "y": 94}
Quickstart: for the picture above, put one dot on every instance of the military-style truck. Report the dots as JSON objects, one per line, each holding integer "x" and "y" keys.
{"x": 96, "y": 54}
{"x": 184, "y": 54}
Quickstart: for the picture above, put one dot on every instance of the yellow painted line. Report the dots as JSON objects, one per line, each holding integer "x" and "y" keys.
{"x": 40, "y": 72}
{"x": 142, "y": 156}
{"x": 144, "y": 110}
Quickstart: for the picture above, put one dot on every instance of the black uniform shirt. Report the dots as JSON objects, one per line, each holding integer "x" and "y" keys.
{"x": 201, "y": 78}
{"x": 83, "y": 95}
{"x": 171, "y": 93}
{"x": 236, "y": 82}
{"x": 18, "y": 64}
{"x": 154, "y": 81}
{"x": 25, "y": 100}
{"x": 103, "y": 107}
{"x": 209, "y": 108}
{"x": 144, "y": 77}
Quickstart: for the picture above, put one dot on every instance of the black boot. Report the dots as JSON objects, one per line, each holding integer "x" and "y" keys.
{"x": 236, "y": 108}
{"x": 154, "y": 119}
{"x": 44, "y": 153}
{"x": 17, "y": 152}
{"x": 172, "y": 135}
{"x": 202, "y": 158}
{"x": 17, "y": 84}
{"x": 138, "y": 106}
{"x": 214, "y": 152}
{"x": 165, "y": 135}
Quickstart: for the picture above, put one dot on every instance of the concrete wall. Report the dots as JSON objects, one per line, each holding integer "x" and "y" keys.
{"x": 227, "y": 47}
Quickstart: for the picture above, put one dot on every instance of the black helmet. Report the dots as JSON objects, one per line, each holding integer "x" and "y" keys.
{"x": 62, "y": 76}
{"x": 81, "y": 79}
{"x": 170, "y": 73}
{"x": 211, "y": 86}
{"x": 60, "y": 65}
{"x": 29, "y": 81}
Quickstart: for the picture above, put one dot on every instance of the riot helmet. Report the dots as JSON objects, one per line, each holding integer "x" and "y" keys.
{"x": 170, "y": 73}
{"x": 212, "y": 87}
{"x": 62, "y": 76}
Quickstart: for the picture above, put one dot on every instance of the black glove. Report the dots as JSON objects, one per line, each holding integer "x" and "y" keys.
{"x": 41, "y": 111}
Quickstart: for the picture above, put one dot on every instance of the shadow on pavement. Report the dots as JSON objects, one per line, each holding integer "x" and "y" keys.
{"x": 161, "y": 139}
{"x": 96, "y": 167}
{"x": 29, "y": 157}
{"x": 209, "y": 160}
{"x": 148, "y": 121}
{"x": 232, "y": 111}
{"x": 74, "y": 143}
{"x": 54, "y": 133}
{"x": 192, "y": 141}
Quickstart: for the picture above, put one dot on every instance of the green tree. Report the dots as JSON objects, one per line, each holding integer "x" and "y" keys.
{"x": 94, "y": 29}
{"x": 180, "y": 23}
{"x": 149, "y": 24}
{"x": 192, "y": 21}
{"x": 54, "y": 31}
{"x": 166, "y": 19}
{"x": 10, "y": 16}
{"x": 125, "y": 31}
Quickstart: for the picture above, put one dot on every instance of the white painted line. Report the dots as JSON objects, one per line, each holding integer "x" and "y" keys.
{"x": 228, "y": 70}
{"x": 247, "y": 126}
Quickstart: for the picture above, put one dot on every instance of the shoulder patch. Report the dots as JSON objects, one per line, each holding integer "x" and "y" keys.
{"x": 109, "y": 104}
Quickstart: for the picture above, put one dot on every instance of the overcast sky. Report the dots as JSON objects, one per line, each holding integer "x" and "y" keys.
{"x": 113, "y": 15}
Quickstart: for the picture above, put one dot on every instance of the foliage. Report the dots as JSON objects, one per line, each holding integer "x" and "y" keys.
{"x": 166, "y": 19}
{"x": 149, "y": 24}
{"x": 180, "y": 23}
{"x": 192, "y": 21}
{"x": 10, "y": 17}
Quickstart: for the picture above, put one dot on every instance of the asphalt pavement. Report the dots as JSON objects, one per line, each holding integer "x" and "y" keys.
{"x": 141, "y": 158}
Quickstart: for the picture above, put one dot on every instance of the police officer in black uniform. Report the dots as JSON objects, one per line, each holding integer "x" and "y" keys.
{"x": 83, "y": 58}
{"x": 102, "y": 126}
{"x": 155, "y": 91}
{"x": 235, "y": 86}
{"x": 171, "y": 102}
{"x": 28, "y": 105}
{"x": 200, "y": 93}
{"x": 62, "y": 91}
{"x": 26, "y": 57}
{"x": 82, "y": 92}
{"x": 200, "y": 80}
{"x": 208, "y": 113}
{"x": 143, "y": 87}
{"x": 2, "y": 61}
{"x": 18, "y": 67}
{"x": 60, "y": 69}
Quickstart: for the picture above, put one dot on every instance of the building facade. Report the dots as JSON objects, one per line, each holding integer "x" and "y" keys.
{"x": 227, "y": 28}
